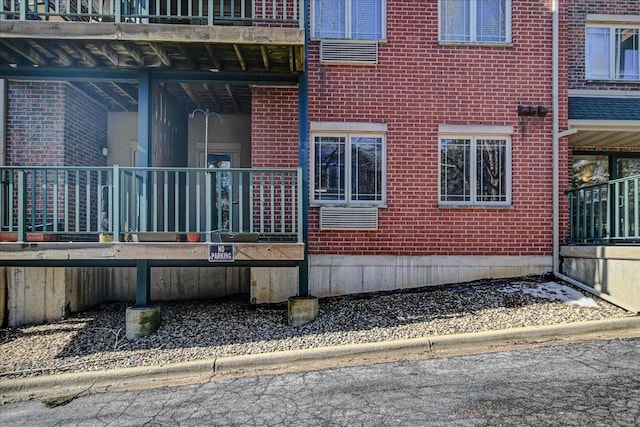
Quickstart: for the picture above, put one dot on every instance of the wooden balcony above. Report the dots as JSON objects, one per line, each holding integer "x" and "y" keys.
{"x": 69, "y": 35}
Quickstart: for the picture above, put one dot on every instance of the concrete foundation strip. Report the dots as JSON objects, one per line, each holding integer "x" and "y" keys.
{"x": 140, "y": 377}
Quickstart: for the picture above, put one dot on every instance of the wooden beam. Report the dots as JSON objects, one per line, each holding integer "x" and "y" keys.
{"x": 9, "y": 57}
{"x": 299, "y": 52}
{"x": 243, "y": 65}
{"x": 265, "y": 56}
{"x": 81, "y": 54}
{"x": 162, "y": 54}
{"x": 63, "y": 58}
{"x": 214, "y": 95}
{"x": 187, "y": 56}
{"x": 291, "y": 60}
{"x": 110, "y": 31}
{"x": 214, "y": 57}
{"x": 25, "y": 51}
{"x": 109, "y": 53}
{"x": 127, "y": 91}
{"x": 134, "y": 52}
{"x": 235, "y": 102}
{"x": 192, "y": 94}
{"x": 109, "y": 94}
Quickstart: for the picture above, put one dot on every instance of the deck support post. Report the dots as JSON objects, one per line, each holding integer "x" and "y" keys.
{"x": 143, "y": 283}
{"x": 303, "y": 308}
{"x": 142, "y": 319}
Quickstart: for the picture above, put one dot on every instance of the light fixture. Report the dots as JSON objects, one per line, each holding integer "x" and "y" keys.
{"x": 206, "y": 113}
{"x": 533, "y": 110}
{"x": 104, "y": 151}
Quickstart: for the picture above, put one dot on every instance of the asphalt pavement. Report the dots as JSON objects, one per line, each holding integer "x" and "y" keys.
{"x": 594, "y": 383}
{"x": 220, "y": 368}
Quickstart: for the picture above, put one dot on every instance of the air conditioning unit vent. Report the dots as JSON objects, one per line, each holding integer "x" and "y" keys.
{"x": 361, "y": 52}
{"x": 332, "y": 218}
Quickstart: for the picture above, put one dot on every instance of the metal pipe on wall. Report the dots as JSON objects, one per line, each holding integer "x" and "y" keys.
{"x": 3, "y": 162}
{"x": 3, "y": 122}
{"x": 555, "y": 192}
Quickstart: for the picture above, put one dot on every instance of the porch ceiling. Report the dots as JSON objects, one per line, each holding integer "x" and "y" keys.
{"x": 605, "y": 134}
{"x": 97, "y": 46}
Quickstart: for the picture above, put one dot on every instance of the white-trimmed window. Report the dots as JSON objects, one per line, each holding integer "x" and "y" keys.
{"x": 349, "y": 167}
{"x": 475, "y": 169}
{"x": 612, "y": 52}
{"x": 349, "y": 19}
{"x": 475, "y": 21}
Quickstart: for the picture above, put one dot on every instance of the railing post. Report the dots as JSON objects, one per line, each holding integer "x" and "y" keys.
{"x": 302, "y": 11}
{"x": 210, "y": 13}
{"x": 636, "y": 208}
{"x": 22, "y": 206}
{"x": 117, "y": 5}
{"x": 23, "y": 10}
{"x": 115, "y": 209}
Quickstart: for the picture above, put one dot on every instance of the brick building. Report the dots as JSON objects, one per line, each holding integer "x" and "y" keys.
{"x": 417, "y": 95}
{"x": 384, "y": 144}
{"x": 603, "y": 39}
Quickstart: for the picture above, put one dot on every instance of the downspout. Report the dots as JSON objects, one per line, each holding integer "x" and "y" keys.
{"x": 303, "y": 153}
{"x": 555, "y": 192}
{"x": 556, "y": 135}
{"x": 3, "y": 162}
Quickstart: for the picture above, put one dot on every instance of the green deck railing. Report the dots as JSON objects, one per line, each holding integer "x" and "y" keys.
{"x": 128, "y": 203}
{"x": 605, "y": 213}
{"x": 205, "y": 12}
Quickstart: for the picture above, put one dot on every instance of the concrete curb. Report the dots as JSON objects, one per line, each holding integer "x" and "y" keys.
{"x": 202, "y": 370}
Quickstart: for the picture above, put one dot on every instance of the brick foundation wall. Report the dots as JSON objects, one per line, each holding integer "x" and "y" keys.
{"x": 417, "y": 85}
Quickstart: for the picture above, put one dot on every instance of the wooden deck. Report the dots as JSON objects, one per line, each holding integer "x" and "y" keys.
{"x": 156, "y": 254}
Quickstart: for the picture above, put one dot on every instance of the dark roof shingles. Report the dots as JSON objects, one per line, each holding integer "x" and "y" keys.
{"x": 592, "y": 108}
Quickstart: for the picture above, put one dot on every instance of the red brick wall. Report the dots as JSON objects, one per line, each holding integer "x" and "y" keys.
{"x": 577, "y": 14}
{"x": 417, "y": 85}
{"x": 85, "y": 130}
{"x": 35, "y": 123}
{"x": 50, "y": 123}
{"x": 274, "y": 127}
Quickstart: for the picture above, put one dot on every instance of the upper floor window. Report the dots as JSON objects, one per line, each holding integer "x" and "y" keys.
{"x": 475, "y": 21}
{"x": 612, "y": 52}
{"x": 349, "y": 19}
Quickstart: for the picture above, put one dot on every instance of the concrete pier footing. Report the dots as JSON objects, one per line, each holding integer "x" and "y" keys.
{"x": 302, "y": 310}
{"x": 142, "y": 321}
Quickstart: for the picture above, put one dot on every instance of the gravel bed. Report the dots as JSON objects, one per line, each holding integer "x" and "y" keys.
{"x": 191, "y": 330}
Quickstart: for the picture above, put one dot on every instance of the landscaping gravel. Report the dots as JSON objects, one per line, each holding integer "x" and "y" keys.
{"x": 191, "y": 330}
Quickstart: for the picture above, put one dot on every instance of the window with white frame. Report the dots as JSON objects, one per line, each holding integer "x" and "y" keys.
{"x": 612, "y": 52}
{"x": 349, "y": 168}
{"x": 349, "y": 19}
{"x": 475, "y": 170}
{"x": 475, "y": 21}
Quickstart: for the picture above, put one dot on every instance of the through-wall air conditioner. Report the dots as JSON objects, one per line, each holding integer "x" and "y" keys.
{"x": 363, "y": 52}
{"x": 348, "y": 218}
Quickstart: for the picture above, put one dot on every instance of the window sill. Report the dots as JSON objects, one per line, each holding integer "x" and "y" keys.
{"x": 347, "y": 205}
{"x": 475, "y": 44}
{"x": 454, "y": 206}
{"x": 349, "y": 40}
{"x": 634, "y": 81}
